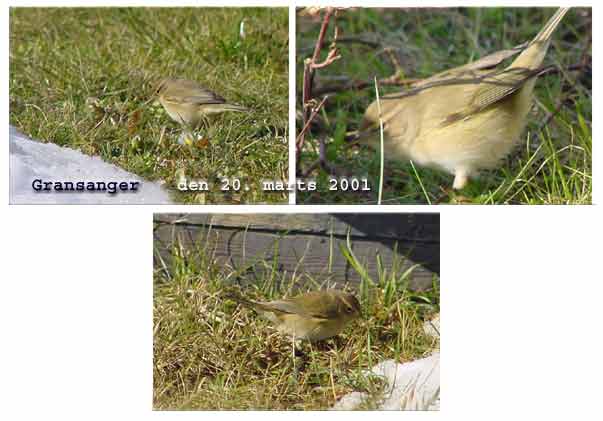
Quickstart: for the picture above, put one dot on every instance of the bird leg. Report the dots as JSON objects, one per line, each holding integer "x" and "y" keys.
{"x": 460, "y": 178}
{"x": 293, "y": 350}
{"x": 205, "y": 125}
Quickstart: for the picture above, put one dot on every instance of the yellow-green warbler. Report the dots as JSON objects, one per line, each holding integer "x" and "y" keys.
{"x": 312, "y": 316}
{"x": 188, "y": 103}
{"x": 464, "y": 119}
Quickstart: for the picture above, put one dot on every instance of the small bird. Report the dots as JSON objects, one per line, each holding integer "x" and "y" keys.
{"x": 312, "y": 316}
{"x": 461, "y": 120}
{"x": 190, "y": 104}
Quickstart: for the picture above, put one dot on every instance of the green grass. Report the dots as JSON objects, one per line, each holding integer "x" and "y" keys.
{"x": 79, "y": 77}
{"x": 552, "y": 165}
{"x": 211, "y": 353}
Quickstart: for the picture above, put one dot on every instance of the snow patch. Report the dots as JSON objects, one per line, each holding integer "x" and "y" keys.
{"x": 31, "y": 160}
{"x": 411, "y": 386}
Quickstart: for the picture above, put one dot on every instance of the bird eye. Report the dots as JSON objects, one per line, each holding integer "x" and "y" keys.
{"x": 159, "y": 87}
{"x": 349, "y": 309}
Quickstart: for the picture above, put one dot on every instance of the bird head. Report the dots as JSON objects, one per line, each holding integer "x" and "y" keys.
{"x": 349, "y": 306}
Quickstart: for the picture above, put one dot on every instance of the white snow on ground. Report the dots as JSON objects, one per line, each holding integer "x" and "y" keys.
{"x": 31, "y": 160}
{"x": 411, "y": 386}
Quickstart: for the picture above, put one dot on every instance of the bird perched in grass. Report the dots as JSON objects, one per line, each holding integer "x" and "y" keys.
{"x": 190, "y": 104}
{"x": 461, "y": 120}
{"x": 312, "y": 316}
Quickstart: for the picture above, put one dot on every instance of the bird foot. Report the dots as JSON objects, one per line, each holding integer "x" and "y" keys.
{"x": 460, "y": 180}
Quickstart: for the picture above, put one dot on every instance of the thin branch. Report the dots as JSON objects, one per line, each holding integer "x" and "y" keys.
{"x": 331, "y": 57}
{"x": 553, "y": 70}
{"x": 309, "y": 120}
{"x": 310, "y": 66}
{"x": 352, "y": 85}
{"x": 389, "y": 51}
{"x": 358, "y": 40}
{"x": 321, "y": 35}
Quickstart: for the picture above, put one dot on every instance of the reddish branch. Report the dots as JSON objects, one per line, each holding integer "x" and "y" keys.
{"x": 315, "y": 111}
{"x": 310, "y": 66}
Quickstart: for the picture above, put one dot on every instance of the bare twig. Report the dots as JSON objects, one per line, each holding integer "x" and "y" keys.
{"x": 310, "y": 66}
{"x": 329, "y": 11}
{"x": 344, "y": 40}
{"x": 390, "y": 52}
{"x": 315, "y": 111}
{"x": 553, "y": 114}
{"x": 351, "y": 85}
{"x": 561, "y": 102}
{"x": 553, "y": 70}
{"x": 358, "y": 40}
{"x": 331, "y": 57}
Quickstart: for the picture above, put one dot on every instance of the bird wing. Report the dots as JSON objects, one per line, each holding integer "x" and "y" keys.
{"x": 500, "y": 85}
{"x": 484, "y": 63}
{"x": 292, "y": 307}
{"x": 205, "y": 96}
{"x": 200, "y": 97}
{"x": 494, "y": 87}
{"x": 497, "y": 87}
{"x": 469, "y": 74}
{"x": 289, "y": 307}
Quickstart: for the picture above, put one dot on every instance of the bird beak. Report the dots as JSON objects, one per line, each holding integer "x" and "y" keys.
{"x": 156, "y": 89}
{"x": 151, "y": 99}
{"x": 351, "y": 137}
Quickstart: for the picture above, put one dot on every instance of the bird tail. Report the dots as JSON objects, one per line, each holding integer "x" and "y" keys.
{"x": 532, "y": 57}
{"x": 254, "y": 305}
{"x": 239, "y": 299}
{"x": 233, "y": 107}
{"x": 546, "y": 32}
